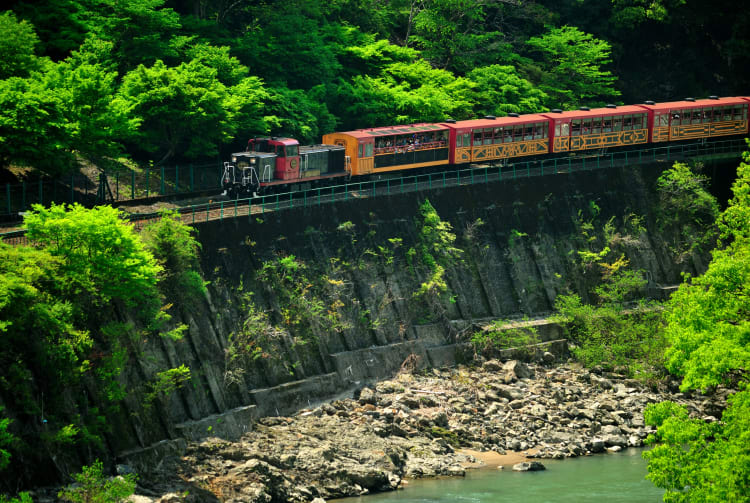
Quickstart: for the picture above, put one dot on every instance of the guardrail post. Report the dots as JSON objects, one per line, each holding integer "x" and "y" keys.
{"x": 443, "y": 179}
{"x": 570, "y": 166}
{"x": 388, "y": 186}
{"x": 528, "y": 169}
{"x": 235, "y": 206}
{"x": 192, "y": 207}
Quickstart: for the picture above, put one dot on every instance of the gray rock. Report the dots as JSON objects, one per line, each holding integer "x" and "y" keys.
{"x": 528, "y": 466}
{"x": 518, "y": 369}
{"x": 367, "y": 396}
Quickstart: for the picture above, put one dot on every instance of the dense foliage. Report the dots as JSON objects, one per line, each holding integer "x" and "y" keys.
{"x": 175, "y": 81}
{"x": 74, "y": 309}
{"x": 709, "y": 334}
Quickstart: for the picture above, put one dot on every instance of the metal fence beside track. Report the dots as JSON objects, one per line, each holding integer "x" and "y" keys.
{"x": 111, "y": 187}
{"x": 480, "y": 174}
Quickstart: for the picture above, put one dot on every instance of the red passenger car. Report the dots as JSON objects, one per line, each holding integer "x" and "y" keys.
{"x": 492, "y": 139}
{"x": 598, "y": 128}
{"x": 690, "y": 119}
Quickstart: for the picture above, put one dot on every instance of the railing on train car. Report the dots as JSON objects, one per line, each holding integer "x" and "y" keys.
{"x": 194, "y": 214}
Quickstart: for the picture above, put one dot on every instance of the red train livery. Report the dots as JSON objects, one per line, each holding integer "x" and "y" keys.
{"x": 283, "y": 162}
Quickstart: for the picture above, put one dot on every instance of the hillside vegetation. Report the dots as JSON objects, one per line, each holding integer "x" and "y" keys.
{"x": 105, "y": 81}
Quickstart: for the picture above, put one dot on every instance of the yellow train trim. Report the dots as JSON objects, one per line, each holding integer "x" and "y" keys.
{"x": 613, "y": 139}
{"x": 561, "y": 144}
{"x": 707, "y": 130}
{"x": 496, "y": 151}
{"x": 408, "y": 166}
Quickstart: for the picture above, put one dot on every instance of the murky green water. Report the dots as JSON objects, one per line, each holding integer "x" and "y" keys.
{"x": 608, "y": 478}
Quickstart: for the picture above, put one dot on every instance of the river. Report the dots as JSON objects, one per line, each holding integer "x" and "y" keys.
{"x": 610, "y": 478}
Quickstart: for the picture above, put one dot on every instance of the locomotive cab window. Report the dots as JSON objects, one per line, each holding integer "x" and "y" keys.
{"x": 292, "y": 150}
{"x": 359, "y": 153}
{"x": 280, "y": 151}
{"x": 368, "y": 149}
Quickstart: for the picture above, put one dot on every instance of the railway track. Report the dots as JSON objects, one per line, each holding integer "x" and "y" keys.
{"x": 207, "y": 209}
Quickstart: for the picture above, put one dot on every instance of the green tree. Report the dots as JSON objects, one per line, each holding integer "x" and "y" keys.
{"x": 95, "y": 120}
{"x": 33, "y": 130}
{"x": 687, "y": 210}
{"x": 141, "y": 30}
{"x": 182, "y": 109}
{"x": 176, "y": 249}
{"x": 17, "y": 47}
{"x": 501, "y": 90}
{"x": 101, "y": 255}
{"x": 452, "y": 34}
{"x": 572, "y": 62}
{"x": 709, "y": 332}
{"x": 92, "y": 486}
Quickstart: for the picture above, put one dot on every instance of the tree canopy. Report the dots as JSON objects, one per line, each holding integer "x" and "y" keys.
{"x": 155, "y": 80}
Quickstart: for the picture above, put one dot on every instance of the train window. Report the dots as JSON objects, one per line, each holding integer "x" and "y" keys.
{"x": 539, "y": 131}
{"x": 478, "y": 137}
{"x": 528, "y": 132}
{"x": 467, "y": 139}
{"x": 360, "y": 150}
{"x": 706, "y": 114}
{"x": 607, "y": 125}
{"x": 368, "y": 149}
{"x": 488, "y": 136}
{"x": 565, "y": 129}
{"x": 727, "y": 115}
{"x": 292, "y": 150}
{"x": 627, "y": 122}
{"x": 586, "y": 126}
{"x": 738, "y": 113}
{"x": 597, "y": 125}
{"x": 575, "y": 129}
{"x": 498, "y": 135}
{"x": 717, "y": 114}
{"x": 637, "y": 121}
{"x": 557, "y": 130}
{"x": 617, "y": 123}
{"x": 508, "y": 134}
{"x": 518, "y": 133}
{"x": 663, "y": 120}
{"x": 696, "y": 116}
{"x": 459, "y": 142}
{"x": 545, "y": 129}
{"x": 280, "y": 150}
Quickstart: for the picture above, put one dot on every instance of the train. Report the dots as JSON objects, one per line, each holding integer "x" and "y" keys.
{"x": 274, "y": 163}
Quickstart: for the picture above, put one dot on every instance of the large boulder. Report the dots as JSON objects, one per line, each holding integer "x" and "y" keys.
{"x": 529, "y": 466}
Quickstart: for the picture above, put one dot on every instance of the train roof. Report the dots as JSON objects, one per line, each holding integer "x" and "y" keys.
{"x": 497, "y": 122}
{"x": 596, "y": 112}
{"x": 704, "y": 102}
{"x": 394, "y": 130}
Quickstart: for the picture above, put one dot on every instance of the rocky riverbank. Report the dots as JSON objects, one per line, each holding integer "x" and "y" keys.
{"x": 419, "y": 425}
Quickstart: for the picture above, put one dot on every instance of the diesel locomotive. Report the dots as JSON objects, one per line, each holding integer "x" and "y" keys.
{"x": 270, "y": 163}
